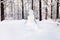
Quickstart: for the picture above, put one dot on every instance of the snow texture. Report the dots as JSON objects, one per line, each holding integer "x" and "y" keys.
{"x": 17, "y": 30}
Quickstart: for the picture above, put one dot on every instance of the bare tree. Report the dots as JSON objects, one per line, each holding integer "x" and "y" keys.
{"x": 2, "y": 11}
{"x": 57, "y": 15}
{"x": 51, "y": 9}
{"x": 40, "y": 14}
{"x": 32, "y": 4}
{"x": 46, "y": 14}
{"x": 46, "y": 9}
{"x": 22, "y": 9}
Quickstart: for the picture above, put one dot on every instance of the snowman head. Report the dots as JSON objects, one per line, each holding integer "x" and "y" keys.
{"x": 30, "y": 12}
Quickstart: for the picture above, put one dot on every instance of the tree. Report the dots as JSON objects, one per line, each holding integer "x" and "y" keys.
{"x": 51, "y": 9}
{"x": 32, "y": 4}
{"x": 46, "y": 9}
{"x": 46, "y": 14}
{"x": 57, "y": 16}
{"x": 40, "y": 15}
{"x": 22, "y": 9}
{"x": 2, "y": 11}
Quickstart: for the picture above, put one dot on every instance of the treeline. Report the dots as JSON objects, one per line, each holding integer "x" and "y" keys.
{"x": 17, "y": 10}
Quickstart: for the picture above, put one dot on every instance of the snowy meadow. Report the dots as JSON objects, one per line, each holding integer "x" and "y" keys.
{"x": 17, "y": 30}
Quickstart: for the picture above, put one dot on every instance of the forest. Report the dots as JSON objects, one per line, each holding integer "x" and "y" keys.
{"x": 17, "y": 10}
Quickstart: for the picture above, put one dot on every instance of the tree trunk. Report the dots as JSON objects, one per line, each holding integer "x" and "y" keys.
{"x": 57, "y": 16}
{"x": 22, "y": 10}
{"x": 32, "y": 4}
{"x": 51, "y": 9}
{"x": 2, "y": 11}
{"x": 46, "y": 14}
{"x": 40, "y": 15}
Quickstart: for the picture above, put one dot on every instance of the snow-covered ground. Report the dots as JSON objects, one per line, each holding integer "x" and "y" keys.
{"x": 17, "y": 30}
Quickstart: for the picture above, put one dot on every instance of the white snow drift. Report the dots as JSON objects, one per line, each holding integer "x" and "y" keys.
{"x": 17, "y": 30}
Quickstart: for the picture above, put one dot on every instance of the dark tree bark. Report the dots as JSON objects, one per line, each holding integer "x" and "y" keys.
{"x": 2, "y": 11}
{"x": 32, "y": 4}
{"x": 57, "y": 16}
{"x": 51, "y": 9}
{"x": 40, "y": 14}
{"x": 22, "y": 10}
{"x": 46, "y": 14}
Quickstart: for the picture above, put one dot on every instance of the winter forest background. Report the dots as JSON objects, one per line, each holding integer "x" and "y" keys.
{"x": 18, "y": 9}
{"x": 16, "y": 26}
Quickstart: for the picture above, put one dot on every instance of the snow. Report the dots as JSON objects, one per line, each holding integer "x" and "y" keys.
{"x": 17, "y": 30}
{"x": 31, "y": 21}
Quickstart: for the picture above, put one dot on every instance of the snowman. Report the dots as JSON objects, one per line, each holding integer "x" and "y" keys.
{"x": 31, "y": 21}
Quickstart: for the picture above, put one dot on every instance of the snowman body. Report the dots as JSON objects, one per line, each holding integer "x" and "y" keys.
{"x": 30, "y": 22}
{"x": 31, "y": 17}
